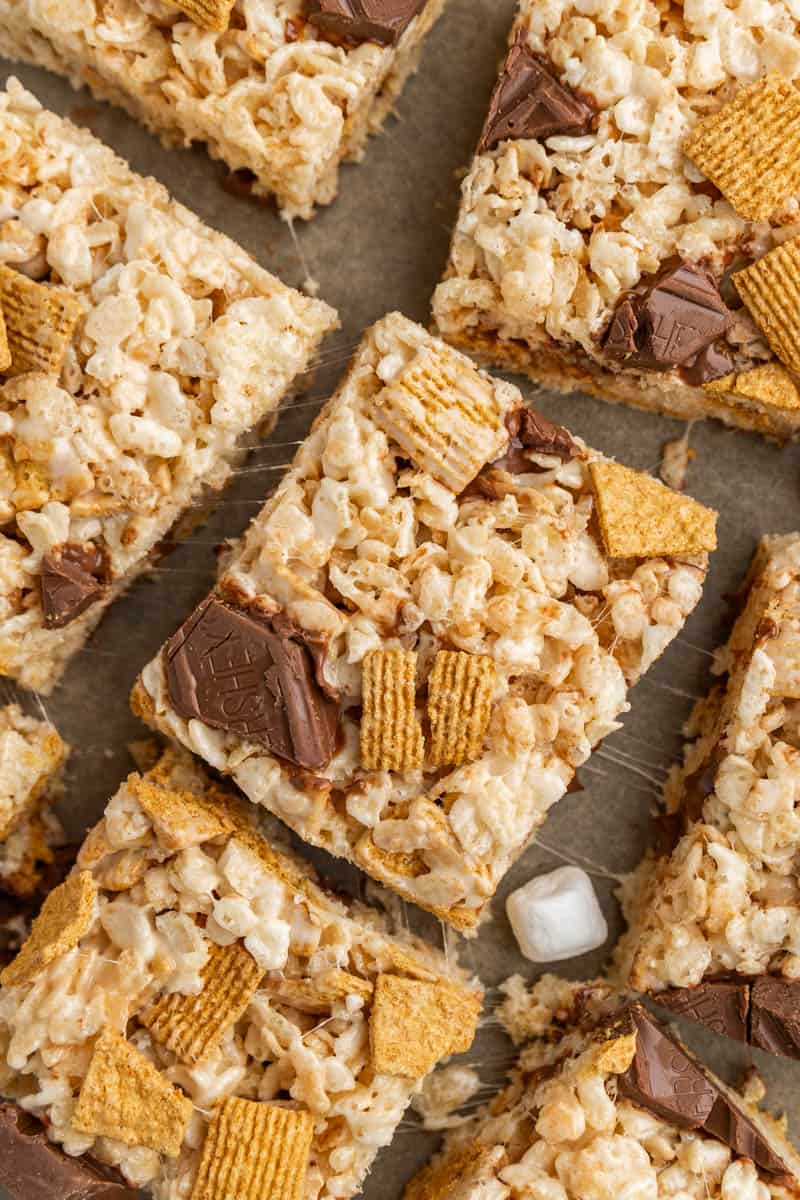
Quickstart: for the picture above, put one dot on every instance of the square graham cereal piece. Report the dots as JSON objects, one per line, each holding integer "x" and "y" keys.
{"x": 191, "y": 1030}
{"x": 414, "y": 1024}
{"x": 5, "y": 353}
{"x": 591, "y": 253}
{"x": 313, "y": 79}
{"x": 750, "y": 148}
{"x": 380, "y": 662}
{"x": 391, "y": 735}
{"x": 159, "y": 336}
{"x": 730, "y": 813}
{"x": 605, "y": 1100}
{"x": 32, "y": 757}
{"x": 255, "y": 1152}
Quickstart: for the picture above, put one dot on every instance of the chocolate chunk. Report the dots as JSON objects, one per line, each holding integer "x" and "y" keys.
{"x": 256, "y": 676}
{"x": 32, "y": 1168}
{"x": 720, "y": 1005}
{"x": 529, "y": 102}
{"x": 775, "y": 1015}
{"x": 382, "y": 21}
{"x": 710, "y": 364}
{"x": 73, "y": 578}
{"x": 530, "y": 431}
{"x": 669, "y": 322}
{"x": 731, "y": 1125}
{"x": 663, "y": 1079}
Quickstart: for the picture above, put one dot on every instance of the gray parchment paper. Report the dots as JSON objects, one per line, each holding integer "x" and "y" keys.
{"x": 383, "y": 246}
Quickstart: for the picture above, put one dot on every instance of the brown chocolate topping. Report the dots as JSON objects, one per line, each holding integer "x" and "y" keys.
{"x": 529, "y": 102}
{"x": 530, "y": 431}
{"x": 382, "y": 21}
{"x": 710, "y": 364}
{"x": 775, "y": 1015}
{"x": 720, "y": 1005}
{"x": 665, "y": 1079}
{"x": 670, "y": 322}
{"x": 255, "y": 676}
{"x": 73, "y": 578}
{"x": 32, "y": 1168}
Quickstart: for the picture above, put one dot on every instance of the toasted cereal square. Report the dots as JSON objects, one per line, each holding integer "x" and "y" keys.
{"x": 318, "y": 995}
{"x": 460, "y": 690}
{"x": 414, "y": 1024}
{"x": 445, "y": 415}
{"x": 770, "y": 287}
{"x": 750, "y": 148}
{"x": 192, "y": 1027}
{"x": 770, "y": 384}
{"x": 179, "y": 818}
{"x": 126, "y": 1098}
{"x": 40, "y": 322}
{"x": 66, "y": 916}
{"x": 213, "y": 15}
{"x": 255, "y": 1152}
{"x": 391, "y": 736}
{"x": 640, "y": 517}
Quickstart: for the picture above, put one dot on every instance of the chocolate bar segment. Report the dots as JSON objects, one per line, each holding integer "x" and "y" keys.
{"x": 529, "y": 102}
{"x": 721, "y": 1005}
{"x": 33, "y": 1168}
{"x": 72, "y": 580}
{"x": 382, "y": 21}
{"x": 775, "y": 1015}
{"x": 256, "y": 677}
{"x": 663, "y": 1079}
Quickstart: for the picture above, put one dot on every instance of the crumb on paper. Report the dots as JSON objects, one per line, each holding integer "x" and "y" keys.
{"x": 676, "y": 457}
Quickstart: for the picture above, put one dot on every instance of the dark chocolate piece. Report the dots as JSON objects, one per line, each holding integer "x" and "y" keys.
{"x": 32, "y": 1168}
{"x": 669, "y": 322}
{"x": 73, "y": 578}
{"x": 668, "y": 1081}
{"x": 720, "y": 1005}
{"x": 255, "y": 676}
{"x": 529, "y": 102}
{"x": 710, "y": 364}
{"x": 383, "y": 21}
{"x": 732, "y": 1126}
{"x": 530, "y": 431}
{"x": 663, "y": 1079}
{"x": 775, "y": 1015}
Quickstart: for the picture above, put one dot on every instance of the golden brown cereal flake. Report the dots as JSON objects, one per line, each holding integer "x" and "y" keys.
{"x": 126, "y": 1098}
{"x": 460, "y": 690}
{"x": 641, "y": 518}
{"x": 40, "y": 322}
{"x": 180, "y": 819}
{"x": 453, "y": 1174}
{"x": 66, "y": 916}
{"x": 192, "y": 1027}
{"x": 255, "y": 1151}
{"x": 319, "y": 995}
{"x": 391, "y": 737}
{"x": 444, "y": 414}
{"x": 5, "y": 353}
{"x": 770, "y": 385}
{"x": 751, "y": 148}
{"x": 413, "y": 1024}
{"x": 214, "y": 15}
{"x": 770, "y": 287}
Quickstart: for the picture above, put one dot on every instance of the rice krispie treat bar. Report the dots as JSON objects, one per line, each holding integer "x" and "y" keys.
{"x": 32, "y": 755}
{"x": 629, "y": 224}
{"x": 430, "y": 624}
{"x": 283, "y": 91}
{"x": 141, "y": 346}
{"x": 193, "y": 1010}
{"x": 605, "y": 1102}
{"x": 715, "y": 912}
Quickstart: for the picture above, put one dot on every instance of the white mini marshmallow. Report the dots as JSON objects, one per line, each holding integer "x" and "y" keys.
{"x": 557, "y": 916}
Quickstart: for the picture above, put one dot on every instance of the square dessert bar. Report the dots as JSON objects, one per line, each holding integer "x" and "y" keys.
{"x": 430, "y": 624}
{"x": 283, "y": 91}
{"x": 629, "y": 224}
{"x": 137, "y": 347}
{"x": 194, "y": 1011}
{"x": 32, "y": 755}
{"x": 605, "y": 1102}
{"x": 715, "y": 911}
